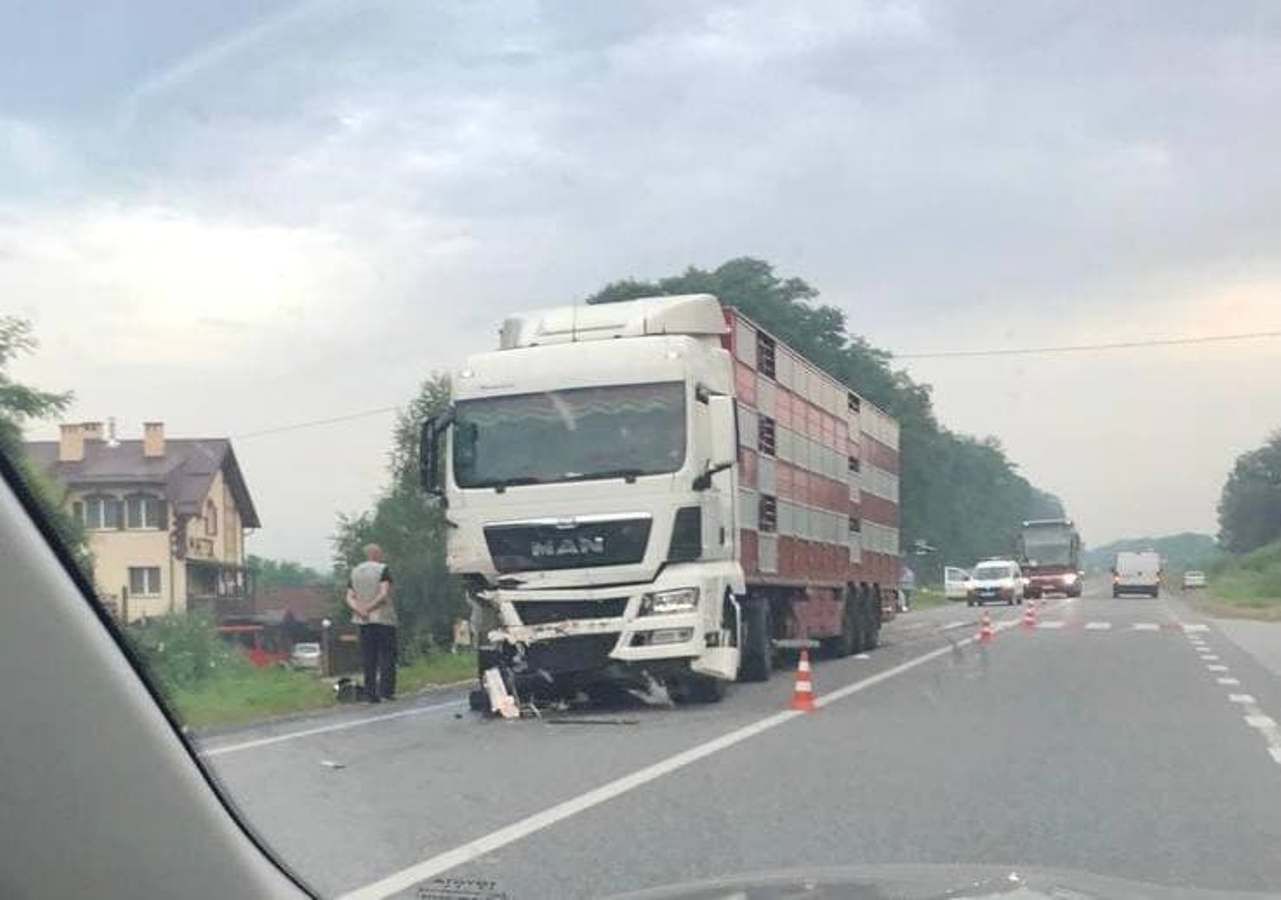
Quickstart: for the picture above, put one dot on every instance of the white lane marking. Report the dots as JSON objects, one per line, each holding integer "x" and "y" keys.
{"x": 1276, "y": 754}
{"x": 1195, "y": 627}
{"x": 1097, "y": 626}
{"x": 428, "y": 868}
{"x": 324, "y": 729}
{"x": 1209, "y": 657}
{"x": 1146, "y": 626}
{"x": 952, "y": 625}
{"x": 1260, "y": 721}
{"x": 1240, "y": 698}
{"x": 861, "y": 656}
{"x": 1054, "y": 623}
{"x": 1216, "y": 668}
{"x": 1229, "y": 682}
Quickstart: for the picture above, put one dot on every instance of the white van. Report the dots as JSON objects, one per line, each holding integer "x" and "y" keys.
{"x": 1136, "y": 572}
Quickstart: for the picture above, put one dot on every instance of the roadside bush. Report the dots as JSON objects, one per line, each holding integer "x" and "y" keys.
{"x": 1254, "y": 576}
{"x": 184, "y": 651}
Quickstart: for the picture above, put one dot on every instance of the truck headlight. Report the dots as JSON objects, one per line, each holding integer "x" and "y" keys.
{"x": 662, "y": 603}
{"x": 1069, "y": 578}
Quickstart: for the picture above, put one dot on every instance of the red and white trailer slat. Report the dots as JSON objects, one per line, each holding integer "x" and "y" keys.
{"x": 818, "y": 485}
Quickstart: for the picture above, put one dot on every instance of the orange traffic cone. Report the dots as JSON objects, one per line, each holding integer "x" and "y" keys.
{"x": 1029, "y": 614}
{"x": 803, "y": 693}
{"x": 986, "y": 633}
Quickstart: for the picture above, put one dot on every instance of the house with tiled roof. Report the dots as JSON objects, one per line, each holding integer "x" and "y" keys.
{"x": 166, "y": 518}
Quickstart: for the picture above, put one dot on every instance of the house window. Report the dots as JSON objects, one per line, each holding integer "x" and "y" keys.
{"x": 765, "y": 354}
{"x": 142, "y": 511}
{"x": 854, "y": 464}
{"x": 768, "y": 518}
{"x": 144, "y": 581}
{"x": 211, "y": 519}
{"x": 855, "y": 525}
{"x": 852, "y": 401}
{"x": 101, "y": 511}
{"x": 765, "y": 435}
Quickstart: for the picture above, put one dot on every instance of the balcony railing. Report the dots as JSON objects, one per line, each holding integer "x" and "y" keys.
{"x": 233, "y": 604}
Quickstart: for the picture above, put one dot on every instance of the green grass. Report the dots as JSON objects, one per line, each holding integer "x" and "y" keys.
{"x": 439, "y": 668}
{"x": 928, "y": 598}
{"x": 1247, "y": 586}
{"x": 249, "y": 695}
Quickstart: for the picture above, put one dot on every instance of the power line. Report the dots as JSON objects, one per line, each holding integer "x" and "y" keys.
{"x": 315, "y": 423}
{"x": 1082, "y": 348}
{"x": 942, "y": 354}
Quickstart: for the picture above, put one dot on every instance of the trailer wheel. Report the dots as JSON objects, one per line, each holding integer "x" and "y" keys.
{"x": 850, "y": 639}
{"x": 872, "y": 617}
{"x": 758, "y": 654}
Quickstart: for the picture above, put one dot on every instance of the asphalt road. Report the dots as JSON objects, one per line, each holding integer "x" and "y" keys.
{"x": 1128, "y": 738}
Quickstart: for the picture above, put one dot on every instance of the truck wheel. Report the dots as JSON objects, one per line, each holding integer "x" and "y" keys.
{"x": 850, "y": 639}
{"x": 871, "y": 615}
{"x": 758, "y": 655}
{"x": 701, "y": 689}
{"x": 478, "y": 701}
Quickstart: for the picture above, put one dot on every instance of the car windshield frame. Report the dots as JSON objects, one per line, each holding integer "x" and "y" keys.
{"x": 992, "y": 572}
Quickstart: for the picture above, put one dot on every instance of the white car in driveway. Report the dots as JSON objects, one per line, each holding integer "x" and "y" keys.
{"x": 995, "y": 580}
{"x": 956, "y": 583}
{"x": 305, "y": 655}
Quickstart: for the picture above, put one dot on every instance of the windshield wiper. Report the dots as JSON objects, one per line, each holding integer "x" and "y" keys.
{"x": 629, "y": 474}
{"x": 502, "y": 484}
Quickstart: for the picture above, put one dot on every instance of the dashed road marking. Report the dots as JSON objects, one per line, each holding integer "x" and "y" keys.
{"x": 1276, "y": 753}
{"x": 1055, "y": 623}
{"x": 1229, "y": 682}
{"x": 1260, "y": 721}
{"x": 1195, "y": 626}
{"x": 1209, "y": 657}
{"x": 1216, "y": 668}
{"x": 1097, "y": 626}
{"x": 1240, "y": 698}
{"x": 1146, "y": 626}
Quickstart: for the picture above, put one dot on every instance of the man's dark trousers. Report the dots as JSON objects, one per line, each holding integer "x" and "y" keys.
{"x": 378, "y": 653}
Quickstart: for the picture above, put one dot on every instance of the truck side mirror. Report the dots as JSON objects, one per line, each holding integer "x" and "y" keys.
{"x": 723, "y": 420}
{"x": 429, "y": 454}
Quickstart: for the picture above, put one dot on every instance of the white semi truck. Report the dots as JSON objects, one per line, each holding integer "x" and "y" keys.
{"x": 658, "y": 490}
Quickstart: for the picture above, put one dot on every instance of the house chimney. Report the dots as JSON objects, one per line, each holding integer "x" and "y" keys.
{"x": 71, "y": 443}
{"x": 153, "y": 439}
{"x": 92, "y": 431}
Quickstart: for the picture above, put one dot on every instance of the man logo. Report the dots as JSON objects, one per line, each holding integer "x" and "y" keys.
{"x": 579, "y": 546}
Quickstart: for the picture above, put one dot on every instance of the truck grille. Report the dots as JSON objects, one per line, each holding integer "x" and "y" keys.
{"x": 539, "y": 546}
{"x": 540, "y": 612}
{"x": 580, "y": 653}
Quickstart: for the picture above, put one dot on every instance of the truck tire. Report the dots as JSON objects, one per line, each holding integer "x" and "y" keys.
{"x": 872, "y": 622}
{"x": 850, "y": 640}
{"x": 701, "y": 689}
{"x": 758, "y": 654}
{"x": 478, "y": 701}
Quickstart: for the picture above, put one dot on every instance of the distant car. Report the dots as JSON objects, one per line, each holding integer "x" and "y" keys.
{"x": 305, "y": 655}
{"x": 995, "y": 579}
{"x": 956, "y": 583}
{"x": 1193, "y": 579}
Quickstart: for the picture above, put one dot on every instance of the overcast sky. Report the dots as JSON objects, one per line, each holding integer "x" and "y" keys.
{"x": 261, "y": 213}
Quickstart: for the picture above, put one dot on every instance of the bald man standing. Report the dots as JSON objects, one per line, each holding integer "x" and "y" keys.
{"x": 369, "y": 598}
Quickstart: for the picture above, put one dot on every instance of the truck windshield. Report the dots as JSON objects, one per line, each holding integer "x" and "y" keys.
{"x": 571, "y": 435}
{"x": 1048, "y": 550}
